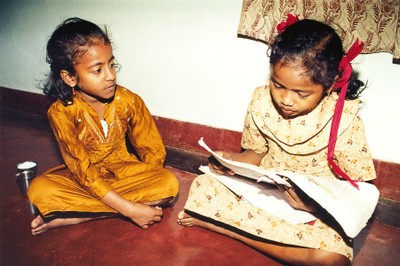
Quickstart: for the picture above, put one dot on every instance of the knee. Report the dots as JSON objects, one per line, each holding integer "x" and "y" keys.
{"x": 201, "y": 180}
{"x": 171, "y": 183}
{"x": 40, "y": 188}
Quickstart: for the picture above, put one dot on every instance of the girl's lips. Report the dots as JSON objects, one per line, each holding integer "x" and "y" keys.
{"x": 111, "y": 88}
{"x": 109, "y": 91}
{"x": 288, "y": 112}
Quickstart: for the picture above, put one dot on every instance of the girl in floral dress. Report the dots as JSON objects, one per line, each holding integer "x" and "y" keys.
{"x": 304, "y": 120}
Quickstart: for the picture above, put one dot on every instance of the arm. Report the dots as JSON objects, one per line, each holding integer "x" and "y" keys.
{"x": 143, "y": 132}
{"x": 248, "y": 156}
{"x": 353, "y": 154}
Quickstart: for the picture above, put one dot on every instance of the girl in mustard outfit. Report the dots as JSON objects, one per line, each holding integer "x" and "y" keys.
{"x": 91, "y": 117}
{"x": 292, "y": 124}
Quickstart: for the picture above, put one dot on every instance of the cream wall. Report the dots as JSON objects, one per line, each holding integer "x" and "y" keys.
{"x": 184, "y": 58}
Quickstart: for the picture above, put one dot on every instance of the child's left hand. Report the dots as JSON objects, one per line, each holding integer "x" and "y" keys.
{"x": 298, "y": 199}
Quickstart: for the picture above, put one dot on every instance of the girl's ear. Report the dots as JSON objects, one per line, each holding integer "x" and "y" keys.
{"x": 69, "y": 79}
{"x": 329, "y": 91}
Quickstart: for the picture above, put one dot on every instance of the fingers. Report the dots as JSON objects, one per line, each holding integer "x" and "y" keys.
{"x": 290, "y": 194}
{"x": 217, "y": 168}
{"x": 298, "y": 199}
{"x": 37, "y": 232}
{"x": 157, "y": 215}
{"x": 154, "y": 218}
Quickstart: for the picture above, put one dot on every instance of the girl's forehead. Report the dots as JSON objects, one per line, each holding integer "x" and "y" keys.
{"x": 95, "y": 52}
{"x": 290, "y": 70}
{"x": 292, "y": 76}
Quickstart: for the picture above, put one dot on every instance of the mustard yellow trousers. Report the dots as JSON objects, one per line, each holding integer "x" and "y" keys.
{"x": 56, "y": 191}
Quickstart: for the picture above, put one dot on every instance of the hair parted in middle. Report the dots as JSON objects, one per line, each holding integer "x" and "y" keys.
{"x": 317, "y": 49}
{"x": 71, "y": 39}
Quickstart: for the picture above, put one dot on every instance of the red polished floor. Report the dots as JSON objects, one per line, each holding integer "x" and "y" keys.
{"x": 119, "y": 242}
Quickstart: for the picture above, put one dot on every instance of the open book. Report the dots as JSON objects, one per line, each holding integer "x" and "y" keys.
{"x": 351, "y": 207}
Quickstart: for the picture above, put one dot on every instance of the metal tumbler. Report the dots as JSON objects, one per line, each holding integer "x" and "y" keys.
{"x": 26, "y": 171}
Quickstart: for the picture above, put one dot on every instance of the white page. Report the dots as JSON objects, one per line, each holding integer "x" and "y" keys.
{"x": 245, "y": 169}
{"x": 351, "y": 207}
{"x": 266, "y": 197}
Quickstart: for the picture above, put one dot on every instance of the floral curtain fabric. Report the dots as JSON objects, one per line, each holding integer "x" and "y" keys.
{"x": 375, "y": 22}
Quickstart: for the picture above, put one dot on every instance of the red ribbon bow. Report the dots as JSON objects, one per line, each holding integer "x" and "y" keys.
{"x": 287, "y": 22}
{"x": 343, "y": 83}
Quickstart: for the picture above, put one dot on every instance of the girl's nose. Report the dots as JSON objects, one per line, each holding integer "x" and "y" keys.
{"x": 111, "y": 73}
{"x": 287, "y": 99}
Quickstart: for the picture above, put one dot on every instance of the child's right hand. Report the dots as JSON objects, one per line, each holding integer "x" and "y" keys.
{"x": 216, "y": 167}
{"x": 141, "y": 214}
{"x": 144, "y": 215}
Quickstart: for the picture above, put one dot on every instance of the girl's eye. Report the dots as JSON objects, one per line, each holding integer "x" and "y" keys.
{"x": 302, "y": 95}
{"x": 96, "y": 71}
{"x": 277, "y": 86}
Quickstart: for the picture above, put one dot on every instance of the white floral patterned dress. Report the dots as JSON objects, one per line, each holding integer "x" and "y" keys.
{"x": 298, "y": 144}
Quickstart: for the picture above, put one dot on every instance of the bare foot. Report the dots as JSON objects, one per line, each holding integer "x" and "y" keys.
{"x": 185, "y": 219}
{"x": 38, "y": 226}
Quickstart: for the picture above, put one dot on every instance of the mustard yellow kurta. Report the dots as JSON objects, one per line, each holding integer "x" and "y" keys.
{"x": 97, "y": 162}
{"x": 300, "y": 145}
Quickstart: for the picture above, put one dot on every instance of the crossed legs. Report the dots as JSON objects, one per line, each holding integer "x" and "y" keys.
{"x": 40, "y": 225}
{"x": 287, "y": 254}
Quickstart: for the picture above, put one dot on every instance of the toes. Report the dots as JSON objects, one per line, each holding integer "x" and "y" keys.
{"x": 184, "y": 219}
{"x": 36, "y": 232}
{"x": 38, "y": 226}
{"x": 181, "y": 215}
{"x": 185, "y": 223}
{"x": 184, "y": 216}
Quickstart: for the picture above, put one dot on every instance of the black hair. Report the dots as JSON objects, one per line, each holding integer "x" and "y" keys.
{"x": 71, "y": 39}
{"x": 317, "y": 48}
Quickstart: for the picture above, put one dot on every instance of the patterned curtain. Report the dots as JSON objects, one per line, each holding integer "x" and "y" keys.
{"x": 375, "y": 22}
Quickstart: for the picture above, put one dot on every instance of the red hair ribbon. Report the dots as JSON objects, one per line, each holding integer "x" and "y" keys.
{"x": 287, "y": 22}
{"x": 343, "y": 83}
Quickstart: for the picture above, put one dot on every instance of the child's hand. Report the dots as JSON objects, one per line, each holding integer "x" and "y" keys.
{"x": 144, "y": 215}
{"x": 216, "y": 167}
{"x": 298, "y": 199}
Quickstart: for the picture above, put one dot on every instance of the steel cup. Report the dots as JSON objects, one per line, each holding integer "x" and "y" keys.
{"x": 26, "y": 171}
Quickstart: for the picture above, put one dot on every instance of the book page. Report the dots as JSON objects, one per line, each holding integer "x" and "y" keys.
{"x": 351, "y": 207}
{"x": 264, "y": 196}
{"x": 247, "y": 170}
